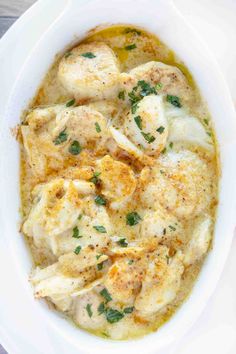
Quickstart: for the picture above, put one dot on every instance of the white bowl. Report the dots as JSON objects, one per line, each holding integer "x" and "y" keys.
{"x": 161, "y": 18}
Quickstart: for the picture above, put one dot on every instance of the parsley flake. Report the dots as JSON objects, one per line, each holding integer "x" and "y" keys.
{"x": 106, "y": 295}
{"x": 142, "y": 89}
{"x": 122, "y": 242}
{"x": 75, "y": 148}
{"x": 128, "y": 309}
{"x": 101, "y": 308}
{"x": 76, "y": 232}
{"x": 88, "y": 55}
{"x": 148, "y": 137}
{"x": 131, "y": 261}
{"x": 98, "y": 128}
{"x": 132, "y": 218}
{"x": 138, "y": 121}
{"x": 172, "y": 228}
{"x": 121, "y": 95}
{"x": 89, "y": 310}
{"x": 100, "y": 266}
{"x": 174, "y": 100}
{"x": 70, "y": 103}
{"x": 130, "y": 47}
{"x": 95, "y": 178}
{"x": 158, "y": 86}
{"x": 145, "y": 88}
{"x": 113, "y": 315}
{"x": 77, "y": 250}
{"x": 160, "y": 130}
{"x": 100, "y": 200}
{"x": 134, "y": 108}
{"x": 164, "y": 151}
{"x": 100, "y": 228}
{"x": 61, "y": 137}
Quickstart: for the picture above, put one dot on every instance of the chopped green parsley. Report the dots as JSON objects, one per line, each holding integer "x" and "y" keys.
{"x": 128, "y": 309}
{"x": 76, "y": 233}
{"x": 77, "y": 250}
{"x": 75, "y": 148}
{"x": 132, "y": 218}
{"x": 100, "y": 228}
{"x": 121, "y": 95}
{"x": 70, "y": 103}
{"x": 138, "y": 121}
{"x": 100, "y": 200}
{"x": 113, "y": 315}
{"x": 89, "y": 310}
{"x": 95, "y": 178}
{"x": 122, "y": 242}
{"x": 61, "y": 137}
{"x": 130, "y": 47}
{"x": 174, "y": 100}
{"x": 97, "y": 127}
{"x": 148, "y": 137}
{"x": 106, "y": 295}
{"x": 88, "y": 55}
{"x": 160, "y": 130}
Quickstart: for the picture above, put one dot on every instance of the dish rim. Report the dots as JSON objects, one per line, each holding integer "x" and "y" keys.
{"x": 224, "y": 155}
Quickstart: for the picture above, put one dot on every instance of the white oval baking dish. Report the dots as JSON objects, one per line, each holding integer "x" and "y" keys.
{"x": 161, "y": 18}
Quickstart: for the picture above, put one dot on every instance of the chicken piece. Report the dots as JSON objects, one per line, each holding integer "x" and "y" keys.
{"x": 118, "y": 181}
{"x": 63, "y": 216}
{"x": 89, "y": 233}
{"x": 57, "y": 134}
{"x": 63, "y": 303}
{"x": 50, "y": 282}
{"x": 179, "y": 182}
{"x": 166, "y": 79}
{"x": 60, "y": 210}
{"x": 124, "y": 143}
{"x": 147, "y": 128}
{"x": 91, "y": 71}
{"x": 199, "y": 241}
{"x": 86, "y": 312}
{"x": 161, "y": 225}
{"x": 187, "y": 131}
{"x": 161, "y": 282}
{"x": 108, "y": 108}
{"x": 56, "y": 208}
{"x": 71, "y": 273}
{"x": 82, "y": 123}
{"x": 72, "y": 265}
{"x": 123, "y": 280}
{"x": 37, "y": 139}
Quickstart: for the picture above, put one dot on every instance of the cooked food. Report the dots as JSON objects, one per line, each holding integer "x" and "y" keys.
{"x": 90, "y": 71}
{"x": 119, "y": 176}
{"x": 147, "y": 127}
{"x": 167, "y": 79}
